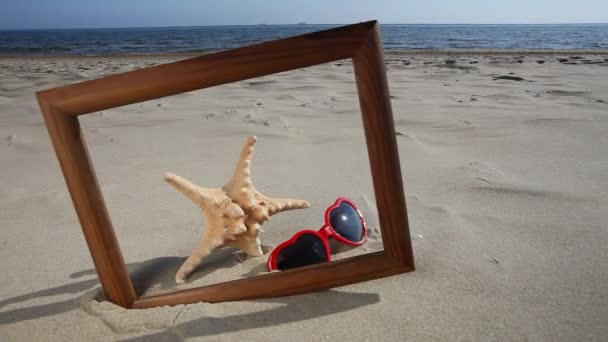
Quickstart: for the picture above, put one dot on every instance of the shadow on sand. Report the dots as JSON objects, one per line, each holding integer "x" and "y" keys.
{"x": 297, "y": 308}
{"x": 157, "y": 272}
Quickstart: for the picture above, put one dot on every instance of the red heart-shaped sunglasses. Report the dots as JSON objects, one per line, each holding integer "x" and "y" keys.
{"x": 343, "y": 222}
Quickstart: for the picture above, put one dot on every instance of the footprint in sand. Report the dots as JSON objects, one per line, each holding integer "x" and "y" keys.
{"x": 256, "y": 84}
{"x": 484, "y": 172}
{"x": 22, "y": 144}
{"x": 568, "y": 92}
{"x": 458, "y": 69}
{"x": 286, "y": 97}
{"x": 10, "y": 140}
{"x": 331, "y": 77}
{"x": 491, "y": 180}
{"x": 303, "y": 88}
{"x": 553, "y": 121}
{"x": 212, "y": 115}
{"x": 271, "y": 121}
{"x": 521, "y": 190}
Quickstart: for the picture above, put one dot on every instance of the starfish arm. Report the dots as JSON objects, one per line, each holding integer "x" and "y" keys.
{"x": 184, "y": 186}
{"x": 240, "y": 187}
{"x": 277, "y": 205}
{"x": 209, "y": 242}
{"x": 207, "y": 199}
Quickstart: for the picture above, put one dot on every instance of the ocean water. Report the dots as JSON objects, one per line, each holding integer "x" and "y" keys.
{"x": 212, "y": 38}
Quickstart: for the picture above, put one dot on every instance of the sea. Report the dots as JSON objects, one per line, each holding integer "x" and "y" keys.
{"x": 213, "y": 38}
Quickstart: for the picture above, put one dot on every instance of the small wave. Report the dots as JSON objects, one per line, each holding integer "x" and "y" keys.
{"x": 36, "y": 49}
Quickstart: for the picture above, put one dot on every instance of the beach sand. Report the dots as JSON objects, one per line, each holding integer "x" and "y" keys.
{"x": 506, "y": 181}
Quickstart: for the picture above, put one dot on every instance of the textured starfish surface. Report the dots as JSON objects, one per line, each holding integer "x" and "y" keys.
{"x": 234, "y": 213}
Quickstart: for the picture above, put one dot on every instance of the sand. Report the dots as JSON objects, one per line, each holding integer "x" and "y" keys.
{"x": 506, "y": 181}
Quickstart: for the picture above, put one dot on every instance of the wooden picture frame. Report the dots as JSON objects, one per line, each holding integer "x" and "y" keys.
{"x": 61, "y": 107}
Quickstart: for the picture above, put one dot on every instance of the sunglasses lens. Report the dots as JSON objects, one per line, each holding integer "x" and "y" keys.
{"x": 345, "y": 220}
{"x": 307, "y": 250}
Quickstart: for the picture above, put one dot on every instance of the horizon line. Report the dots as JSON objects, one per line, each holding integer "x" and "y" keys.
{"x": 292, "y": 24}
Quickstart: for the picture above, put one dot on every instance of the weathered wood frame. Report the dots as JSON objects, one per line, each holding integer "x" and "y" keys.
{"x": 61, "y": 107}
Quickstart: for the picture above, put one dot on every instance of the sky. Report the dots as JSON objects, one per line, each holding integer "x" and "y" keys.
{"x": 45, "y": 14}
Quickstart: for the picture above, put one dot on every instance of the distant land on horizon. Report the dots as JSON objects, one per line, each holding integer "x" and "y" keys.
{"x": 306, "y": 24}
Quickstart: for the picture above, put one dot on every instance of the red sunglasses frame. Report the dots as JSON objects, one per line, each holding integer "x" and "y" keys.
{"x": 324, "y": 233}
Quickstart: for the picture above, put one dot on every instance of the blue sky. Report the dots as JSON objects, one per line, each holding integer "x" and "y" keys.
{"x": 25, "y": 14}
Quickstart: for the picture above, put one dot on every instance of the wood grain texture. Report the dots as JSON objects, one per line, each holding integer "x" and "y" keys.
{"x": 284, "y": 283}
{"x": 377, "y": 114}
{"x": 361, "y": 42}
{"x": 79, "y": 175}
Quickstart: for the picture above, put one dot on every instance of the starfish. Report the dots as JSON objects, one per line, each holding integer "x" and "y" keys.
{"x": 234, "y": 213}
